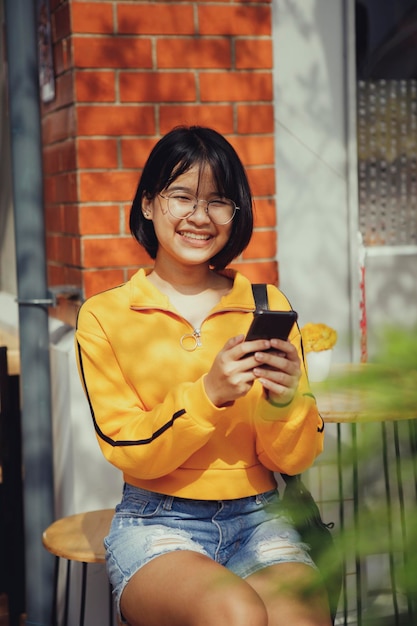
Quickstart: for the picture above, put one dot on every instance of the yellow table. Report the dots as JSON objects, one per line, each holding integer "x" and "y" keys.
{"x": 344, "y": 398}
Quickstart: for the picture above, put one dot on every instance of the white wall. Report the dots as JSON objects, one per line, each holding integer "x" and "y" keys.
{"x": 84, "y": 480}
{"x": 312, "y": 163}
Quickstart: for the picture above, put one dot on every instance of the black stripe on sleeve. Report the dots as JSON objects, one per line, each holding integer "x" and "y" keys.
{"x": 113, "y": 442}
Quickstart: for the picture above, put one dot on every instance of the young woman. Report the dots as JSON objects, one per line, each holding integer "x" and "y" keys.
{"x": 196, "y": 418}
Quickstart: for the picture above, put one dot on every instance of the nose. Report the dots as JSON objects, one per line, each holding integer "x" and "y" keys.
{"x": 200, "y": 216}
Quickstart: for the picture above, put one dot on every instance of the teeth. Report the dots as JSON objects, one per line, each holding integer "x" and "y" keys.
{"x": 194, "y": 235}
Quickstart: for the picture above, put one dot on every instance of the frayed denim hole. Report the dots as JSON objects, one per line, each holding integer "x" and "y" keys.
{"x": 161, "y": 541}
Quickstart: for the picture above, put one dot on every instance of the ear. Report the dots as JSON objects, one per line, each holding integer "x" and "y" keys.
{"x": 147, "y": 207}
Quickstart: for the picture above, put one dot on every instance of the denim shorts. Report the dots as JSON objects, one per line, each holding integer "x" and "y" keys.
{"x": 243, "y": 535}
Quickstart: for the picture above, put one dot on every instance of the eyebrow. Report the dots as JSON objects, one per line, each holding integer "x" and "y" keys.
{"x": 173, "y": 187}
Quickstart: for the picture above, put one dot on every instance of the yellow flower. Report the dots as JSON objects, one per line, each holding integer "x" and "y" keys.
{"x": 318, "y": 337}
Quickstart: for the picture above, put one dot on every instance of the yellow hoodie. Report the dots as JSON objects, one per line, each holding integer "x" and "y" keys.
{"x": 151, "y": 414}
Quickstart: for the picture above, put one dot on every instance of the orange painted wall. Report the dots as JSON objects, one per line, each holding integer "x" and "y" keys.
{"x": 126, "y": 73}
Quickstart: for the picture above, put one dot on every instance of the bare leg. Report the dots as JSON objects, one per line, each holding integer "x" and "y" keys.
{"x": 185, "y": 588}
{"x": 292, "y": 594}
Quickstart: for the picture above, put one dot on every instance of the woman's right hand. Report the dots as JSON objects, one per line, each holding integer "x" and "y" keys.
{"x": 231, "y": 375}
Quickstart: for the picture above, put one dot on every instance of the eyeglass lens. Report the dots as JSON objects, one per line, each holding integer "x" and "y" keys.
{"x": 181, "y": 205}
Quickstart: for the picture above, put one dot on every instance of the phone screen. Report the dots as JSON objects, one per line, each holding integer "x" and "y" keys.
{"x": 268, "y": 324}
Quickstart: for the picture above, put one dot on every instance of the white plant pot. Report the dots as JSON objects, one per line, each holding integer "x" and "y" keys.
{"x": 318, "y": 364}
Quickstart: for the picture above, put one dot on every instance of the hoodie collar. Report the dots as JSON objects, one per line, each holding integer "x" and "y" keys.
{"x": 144, "y": 295}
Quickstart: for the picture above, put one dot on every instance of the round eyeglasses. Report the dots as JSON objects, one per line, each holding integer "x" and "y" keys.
{"x": 182, "y": 205}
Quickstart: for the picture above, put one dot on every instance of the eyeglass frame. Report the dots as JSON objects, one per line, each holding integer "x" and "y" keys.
{"x": 197, "y": 202}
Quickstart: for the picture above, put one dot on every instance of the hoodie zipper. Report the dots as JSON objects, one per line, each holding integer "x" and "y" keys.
{"x": 191, "y": 341}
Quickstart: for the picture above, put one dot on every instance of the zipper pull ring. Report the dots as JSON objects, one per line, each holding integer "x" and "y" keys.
{"x": 191, "y": 341}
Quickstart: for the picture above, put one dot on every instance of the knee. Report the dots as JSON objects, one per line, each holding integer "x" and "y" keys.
{"x": 236, "y": 607}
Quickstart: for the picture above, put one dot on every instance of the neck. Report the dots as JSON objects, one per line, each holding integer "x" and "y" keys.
{"x": 189, "y": 280}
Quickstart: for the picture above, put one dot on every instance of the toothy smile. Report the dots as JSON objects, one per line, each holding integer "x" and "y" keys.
{"x": 194, "y": 235}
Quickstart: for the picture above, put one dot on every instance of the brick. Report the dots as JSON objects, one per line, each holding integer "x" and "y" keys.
{"x": 234, "y": 20}
{"x": 64, "y": 91}
{"x": 61, "y": 275}
{"x": 54, "y": 218}
{"x": 263, "y": 245}
{"x": 193, "y": 53}
{"x": 136, "y": 151}
{"x": 61, "y": 188}
{"x": 155, "y": 18}
{"x": 253, "y": 54}
{"x": 52, "y": 242}
{"x": 236, "y": 86}
{"x": 262, "y": 180}
{"x": 88, "y": 224}
{"x": 73, "y": 276}
{"x": 97, "y": 281}
{"x": 265, "y": 212}
{"x": 54, "y": 4}
{"x": 259, "y": 272}
{"x": 97, "y": 153}
{"x": 107, "y": 186}
{"x": 56, "y": 276}
{"x": 71, "y": 219}
{"x": 112, "y": 52}
{"x": 157, "y": 87}
{"x": 62, "y": 56}
{"x": 49, "y": 190}
{"x": 59, "y": 157}
{"x": 112, "y": 252}
{"x": 115, "y": 120}
{"x": 126, "y": 215}
{"x": 99, "y": 219}
{"x": 255, "y": 118}
{"x": 66, "y": 310}
{"x": 251, "y": 1}
{"x": 68, "y": 250}
{"x": 92, "y": 17}
{"x": 63, "y": 249}
{"x": 95, "y": 86}
{"x": 61, "y": 22}
{"x": 254, "y": 150}
{"x": 58, "y": 125}
{"x": 76, "y": 252}
{"x": 218, "y": 116}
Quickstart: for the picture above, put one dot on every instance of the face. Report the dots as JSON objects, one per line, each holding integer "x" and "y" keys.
{"x": 193, "y": 240}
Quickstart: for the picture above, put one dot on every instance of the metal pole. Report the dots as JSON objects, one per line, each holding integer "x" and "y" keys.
{"x": 26, "y": 147}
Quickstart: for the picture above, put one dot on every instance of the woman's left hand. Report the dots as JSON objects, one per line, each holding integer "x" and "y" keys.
{"x": 279, "y": 371}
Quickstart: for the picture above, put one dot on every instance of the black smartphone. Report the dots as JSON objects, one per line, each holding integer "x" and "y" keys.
{"x": 268, "y": 324}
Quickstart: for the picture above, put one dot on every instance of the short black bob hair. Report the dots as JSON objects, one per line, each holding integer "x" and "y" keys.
{"x": 174, "y": 155}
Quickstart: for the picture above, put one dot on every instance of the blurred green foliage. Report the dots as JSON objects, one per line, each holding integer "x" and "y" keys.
{"x": 385, "y": 522}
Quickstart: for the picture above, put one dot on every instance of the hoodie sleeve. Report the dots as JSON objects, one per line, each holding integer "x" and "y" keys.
{"x": 143, "y": 443}
{"x": 289, "y": 437}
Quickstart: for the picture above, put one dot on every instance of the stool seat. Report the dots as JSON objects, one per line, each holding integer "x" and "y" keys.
{"x": 79, "y": 537}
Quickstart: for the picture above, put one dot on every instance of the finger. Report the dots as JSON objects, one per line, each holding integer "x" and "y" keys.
{"x": 275, "y": 377}
{"x": 250, "y": 347}
{"x": 280, "y": 391}
{"x": 275, "y": 360}
{"x": 233, "y": 341}
{"x": 286, "y": 347}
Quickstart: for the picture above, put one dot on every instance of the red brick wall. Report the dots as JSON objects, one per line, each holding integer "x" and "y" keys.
{"x": 127, "y": 72}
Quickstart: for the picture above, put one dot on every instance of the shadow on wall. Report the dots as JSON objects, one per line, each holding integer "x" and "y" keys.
{"x": 311, "y": 158}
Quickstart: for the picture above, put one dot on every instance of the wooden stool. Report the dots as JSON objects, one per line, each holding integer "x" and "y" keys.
{"x": 78, "y": 538}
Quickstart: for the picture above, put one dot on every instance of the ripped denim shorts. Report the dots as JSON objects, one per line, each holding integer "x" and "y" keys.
{"x": 243, "y": 535}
